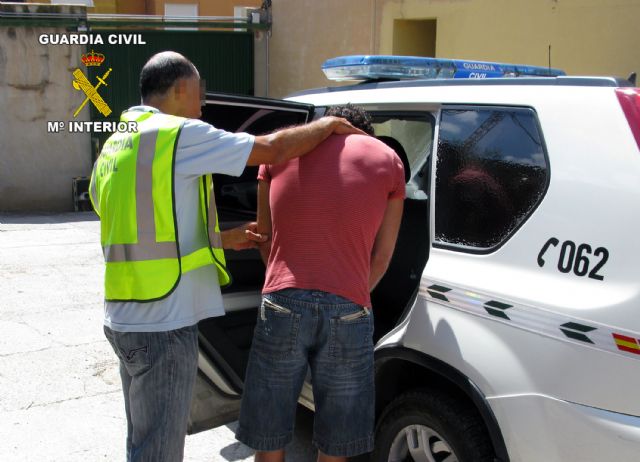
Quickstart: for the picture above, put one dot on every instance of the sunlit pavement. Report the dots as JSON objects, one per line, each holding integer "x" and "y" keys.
{"x": 60, "y": 396}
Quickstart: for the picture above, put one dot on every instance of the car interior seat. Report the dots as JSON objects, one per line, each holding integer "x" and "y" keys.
{"x": 400, "y": 283}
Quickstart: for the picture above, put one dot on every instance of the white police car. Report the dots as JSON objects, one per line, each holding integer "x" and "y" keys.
{"x": 508, "y": 323}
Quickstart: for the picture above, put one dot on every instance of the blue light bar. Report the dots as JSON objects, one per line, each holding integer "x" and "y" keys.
{"x": 380, "y": 67}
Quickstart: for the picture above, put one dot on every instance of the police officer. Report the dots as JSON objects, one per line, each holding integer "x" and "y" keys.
{"x": 162, "y": 245}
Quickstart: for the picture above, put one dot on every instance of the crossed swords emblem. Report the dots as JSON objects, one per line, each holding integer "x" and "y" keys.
{"x": 82, "y": 83}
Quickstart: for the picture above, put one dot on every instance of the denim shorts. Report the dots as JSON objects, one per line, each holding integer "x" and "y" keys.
{"x": 300, "y": 329}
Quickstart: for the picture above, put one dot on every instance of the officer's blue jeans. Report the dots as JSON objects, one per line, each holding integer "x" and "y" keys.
{"x": 158, "y": 371}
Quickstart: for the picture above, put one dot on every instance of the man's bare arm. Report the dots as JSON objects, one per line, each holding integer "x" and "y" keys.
{"x": 289, "y": 143}
{"x": 264, "y": 219}
{"x": 385, "y": 241}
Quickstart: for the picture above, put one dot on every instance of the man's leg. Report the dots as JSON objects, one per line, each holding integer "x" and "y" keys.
{"x": 343, "y": 385}
{"x": 126, "y": 384}
{"x": 159, "y": 373}
{"x": 275, "y": 373}
{"x": 269, "y": 456}
{"x": 325, "y": 458}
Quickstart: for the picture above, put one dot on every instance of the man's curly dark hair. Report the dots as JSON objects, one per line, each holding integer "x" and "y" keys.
{"x": 357, "y": 116}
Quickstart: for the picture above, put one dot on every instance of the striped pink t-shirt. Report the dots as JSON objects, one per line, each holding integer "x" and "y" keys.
{"x": 326, "y": 208}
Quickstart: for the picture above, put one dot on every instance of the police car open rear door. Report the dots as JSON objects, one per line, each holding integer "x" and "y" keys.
{"x": 225, "y": 341}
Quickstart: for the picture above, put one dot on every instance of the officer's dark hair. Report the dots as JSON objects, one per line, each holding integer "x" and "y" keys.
{"x": 161, "y": 72}
{"x": 357, "y": 116}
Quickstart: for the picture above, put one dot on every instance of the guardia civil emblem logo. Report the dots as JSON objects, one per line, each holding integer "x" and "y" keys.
{"x": 82, "y": 83}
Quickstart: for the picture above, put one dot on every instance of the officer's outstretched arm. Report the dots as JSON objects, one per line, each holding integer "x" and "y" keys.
{"x": 289, "y": 143}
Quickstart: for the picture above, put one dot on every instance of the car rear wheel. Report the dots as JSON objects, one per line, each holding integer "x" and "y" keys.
{"x": 431, "y": 426}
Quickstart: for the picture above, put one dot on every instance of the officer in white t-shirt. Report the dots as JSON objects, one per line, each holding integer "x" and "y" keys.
{"x": 156, "y": 342}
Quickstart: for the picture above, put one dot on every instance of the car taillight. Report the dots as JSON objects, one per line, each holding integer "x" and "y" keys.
{"x": 630, "y": 101}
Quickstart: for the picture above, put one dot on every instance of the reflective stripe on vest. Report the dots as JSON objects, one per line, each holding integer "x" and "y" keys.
{"x": 93, "y": 195}
{"x": 146, "y": 248}
{"x": 213, "y": 230}
{"x": 148, "y": 265}
{"x": 211, "y": 220}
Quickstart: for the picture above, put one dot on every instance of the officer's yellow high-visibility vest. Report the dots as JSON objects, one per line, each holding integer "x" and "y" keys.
{"x": 132, "y": 190}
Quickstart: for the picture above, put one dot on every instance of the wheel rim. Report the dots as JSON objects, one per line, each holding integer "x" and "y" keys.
{"x": 419, "y": 443}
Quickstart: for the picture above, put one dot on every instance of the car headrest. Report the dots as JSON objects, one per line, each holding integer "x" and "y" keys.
{"x": 402, "y": 154}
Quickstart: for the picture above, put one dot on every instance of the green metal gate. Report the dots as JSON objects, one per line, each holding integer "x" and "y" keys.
{"x": 223, "y": 58}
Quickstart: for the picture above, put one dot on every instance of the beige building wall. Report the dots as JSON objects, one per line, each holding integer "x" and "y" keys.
{"x": 104, "y": 7}
{"x": 588, "y": 37}
{"x": 124, "y": 6}
{"x": 596, "y": 37}
{"x": 306, "y": 33}
{"x": 156, "y": 7}
{"x": 205, "y": 7}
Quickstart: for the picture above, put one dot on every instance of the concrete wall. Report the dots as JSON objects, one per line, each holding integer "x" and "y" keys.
{"x": 205, "y": 7}
{"x": 306, "y": 33}
{"x": 156, "y": 7}
{"x": 108, "y": 6}
{"x": 595, "y": 37}
{"x": 123, "y": 7}
{"x": 36, "y": 167}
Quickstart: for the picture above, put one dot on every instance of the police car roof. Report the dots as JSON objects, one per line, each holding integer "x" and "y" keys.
{"x": 586, "y": 81}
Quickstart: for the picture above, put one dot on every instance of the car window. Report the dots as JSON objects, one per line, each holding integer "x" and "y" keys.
{"x": 414, "y": 132}
{"x": 236, "y": 197}
{"x": 491, "y": 172}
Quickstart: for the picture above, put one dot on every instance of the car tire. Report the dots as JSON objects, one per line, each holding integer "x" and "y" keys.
{"x": 431, "y": 426}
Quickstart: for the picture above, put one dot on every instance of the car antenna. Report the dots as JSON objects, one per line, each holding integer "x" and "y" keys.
{"x": 632, "y": 78}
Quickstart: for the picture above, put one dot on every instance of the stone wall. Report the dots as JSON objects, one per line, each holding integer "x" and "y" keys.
{"x": 37, "y": 167}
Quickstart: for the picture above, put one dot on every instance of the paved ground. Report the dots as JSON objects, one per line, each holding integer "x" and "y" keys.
{"x": 60, "y": 397}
